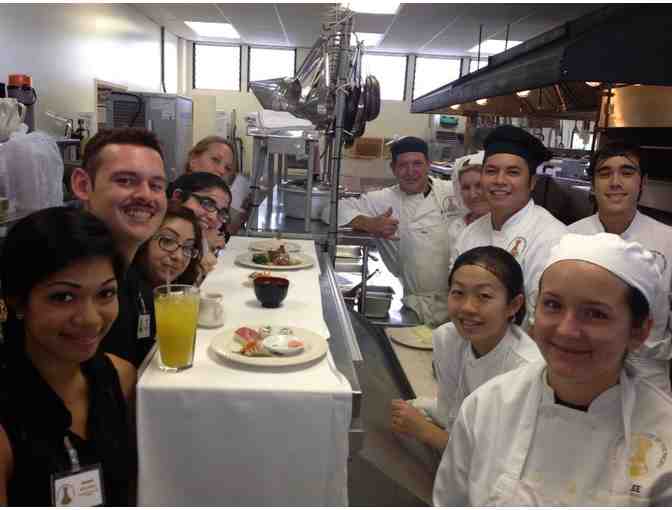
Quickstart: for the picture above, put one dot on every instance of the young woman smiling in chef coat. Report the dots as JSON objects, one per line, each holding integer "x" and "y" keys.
{"x": 486, "y": 303}
{"x": 577, "y": 429}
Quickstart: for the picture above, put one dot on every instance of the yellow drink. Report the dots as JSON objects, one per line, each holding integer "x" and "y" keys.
{"x": 176, "y": 318}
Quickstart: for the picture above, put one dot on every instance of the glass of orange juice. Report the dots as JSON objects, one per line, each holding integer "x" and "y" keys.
{"x": 176, "y": 310}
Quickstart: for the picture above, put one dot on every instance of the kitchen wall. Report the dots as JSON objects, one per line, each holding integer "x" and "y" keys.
{"x": 64, "y": 47}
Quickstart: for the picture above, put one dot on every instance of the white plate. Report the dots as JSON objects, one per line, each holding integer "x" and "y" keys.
{"x": 279, "y": 344}
{"x": 245, "y": 259}
{"x": 418, "y": 337}
{"x": 315, "y": 346}
{"x": 274, "y": 244}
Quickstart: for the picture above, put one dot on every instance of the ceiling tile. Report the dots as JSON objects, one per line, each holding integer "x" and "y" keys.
{"x": 439, "y": 29}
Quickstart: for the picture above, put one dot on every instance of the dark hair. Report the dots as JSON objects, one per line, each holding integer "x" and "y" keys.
{"x": 203, "y": 145}
{"x": 44, "y": 243}
{"x": 639, "y": 306}
{"x": 120, "y": 136}
{"x": 195, "y": 182}
{"x": 190, "y": 274}
{"x": 613, "y": 149}
{"x": 500, "y": 263}
{"x": 408, "y": 144}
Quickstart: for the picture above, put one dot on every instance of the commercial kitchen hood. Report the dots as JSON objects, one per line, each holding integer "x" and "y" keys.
{"x": 612, "y": 46}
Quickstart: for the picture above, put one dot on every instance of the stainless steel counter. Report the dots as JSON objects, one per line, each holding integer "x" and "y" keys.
{"x": 343, "y": 345}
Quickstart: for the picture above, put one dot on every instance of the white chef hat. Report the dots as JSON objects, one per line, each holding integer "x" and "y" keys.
{"x": 469, "y": 159}
{"x": 458, "y": 167}
{"x": 630, "y": 261}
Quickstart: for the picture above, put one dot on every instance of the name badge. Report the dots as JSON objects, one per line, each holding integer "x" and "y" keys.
{"x": 78, "y": 488}
{"x": 143, "y": 326}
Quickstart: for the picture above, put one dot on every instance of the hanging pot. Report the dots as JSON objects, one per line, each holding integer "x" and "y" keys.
{"x": 372, "y": 88}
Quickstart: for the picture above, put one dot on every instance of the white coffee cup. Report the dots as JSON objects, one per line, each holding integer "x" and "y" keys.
{"x": 211, "y": 312}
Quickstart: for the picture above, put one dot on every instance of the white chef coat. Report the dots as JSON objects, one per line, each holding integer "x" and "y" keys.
{"x": 240, "y": 188}
{"x": 455, "y": 229}
{"x": 512, "y": 445}
{"x": 419, "y": 258}
{"x": 459, "y": 372}
{"x": 652, "y": 359}
{"x": 528, "y": 235}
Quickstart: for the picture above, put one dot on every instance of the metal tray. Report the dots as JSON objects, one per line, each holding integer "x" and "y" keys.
{"x": 378, "y": 301}
{"x": 348, "y": 266}
{"x": 348, "y": 252}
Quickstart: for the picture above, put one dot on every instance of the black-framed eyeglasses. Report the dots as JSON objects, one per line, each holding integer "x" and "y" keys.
{"x": 171, "y": 245}
{"x": 210, "y": 205}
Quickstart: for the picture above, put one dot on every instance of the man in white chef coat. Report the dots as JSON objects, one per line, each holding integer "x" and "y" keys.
{"x": 410, "y": 219}
{"x": 515, "y": 222}
{"x": 618, "y": 176}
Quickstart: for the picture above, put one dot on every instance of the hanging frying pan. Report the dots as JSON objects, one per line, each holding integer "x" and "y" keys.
{"x": 351, "y": 103}
{"x": 372, "y": 103}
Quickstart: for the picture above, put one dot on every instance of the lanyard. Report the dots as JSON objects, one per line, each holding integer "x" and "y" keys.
{"x": 142, "y": 302}
{"x": 72, "y": 453}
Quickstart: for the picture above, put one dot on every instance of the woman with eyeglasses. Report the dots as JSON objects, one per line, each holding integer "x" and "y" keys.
{"x": 173, "y": 253}
{"x": 209, "y": 197}
{"x": 216, "y": 155}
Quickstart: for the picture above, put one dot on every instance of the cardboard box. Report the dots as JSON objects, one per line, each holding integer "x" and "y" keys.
{"x": 369, "y": 148}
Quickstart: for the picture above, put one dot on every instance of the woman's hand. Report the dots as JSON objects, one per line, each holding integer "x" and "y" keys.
{"x": 208, "y": 263}
{"x": 215, "y": 239}
{"x": 406, "y": 419}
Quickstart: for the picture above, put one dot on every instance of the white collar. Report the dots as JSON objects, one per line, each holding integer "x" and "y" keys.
{"x": 516, "y": 218}
{"x": 634, "y": 224}
{"x": 603, "y": 404}
{"x": 529, "y": 413}
{"x": 501, "y": 347}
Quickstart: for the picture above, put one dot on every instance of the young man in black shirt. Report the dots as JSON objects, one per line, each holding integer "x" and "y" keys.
{"x": 123, "y": 182}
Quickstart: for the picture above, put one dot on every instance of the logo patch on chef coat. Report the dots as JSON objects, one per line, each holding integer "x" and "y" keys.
{"x": 449, "y": 207}
{"x": 648, "y": 454}
{"x": 660, "y": 260}
{"x": 517, "y": 246}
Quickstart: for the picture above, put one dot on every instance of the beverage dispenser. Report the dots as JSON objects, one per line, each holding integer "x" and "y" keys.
{"x": 20, "y": 87}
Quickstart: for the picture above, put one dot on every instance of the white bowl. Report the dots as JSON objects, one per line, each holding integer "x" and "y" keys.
{"x": 280, "y": 344}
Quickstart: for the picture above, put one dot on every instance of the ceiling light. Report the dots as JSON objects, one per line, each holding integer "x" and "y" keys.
{"x": 455, "y": 107}
{"x": 593, "y": 83}
{"x": 494, "y": 46}
{"x": 481, "y": 102}
{"x": 213, "y": 29}
{"x": 523, "y": 93}
{"x": 369, "y": 38}
{"x": 367, "y": 6}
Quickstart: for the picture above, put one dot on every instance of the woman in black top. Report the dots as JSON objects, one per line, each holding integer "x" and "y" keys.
{"x": 63, "y": 403}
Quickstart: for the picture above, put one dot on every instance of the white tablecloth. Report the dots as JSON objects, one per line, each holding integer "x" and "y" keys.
{"x": 226, "y": 434}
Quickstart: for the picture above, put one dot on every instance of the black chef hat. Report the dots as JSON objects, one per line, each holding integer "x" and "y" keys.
{"x": 408, "y": 144}
{"x": 513, "y": 140}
